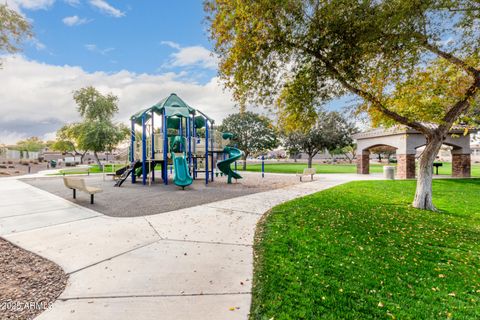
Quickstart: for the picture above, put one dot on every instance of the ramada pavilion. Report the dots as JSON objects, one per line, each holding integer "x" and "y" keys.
{"x": 406, "y": 141}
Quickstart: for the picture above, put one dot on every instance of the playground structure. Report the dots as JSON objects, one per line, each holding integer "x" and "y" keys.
{"x": 185, "y": 139}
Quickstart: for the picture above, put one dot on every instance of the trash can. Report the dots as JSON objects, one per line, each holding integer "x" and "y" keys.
{"x": 389, "y": 172}
{"x": 53, "y": 163}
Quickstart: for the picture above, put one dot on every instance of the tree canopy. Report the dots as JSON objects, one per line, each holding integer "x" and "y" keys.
{"x": 13, "y": 30}
{"x": 326, "y": 48}
{"x": 68, "y": 140}
{"x": 97, "y": 132}
{"x": 33, "y": 144}
{"x": 252, "y": 132}
{"x": 92, "y": 105}
{"x": 331, "y": 131}
{"x": 301, "y": 54}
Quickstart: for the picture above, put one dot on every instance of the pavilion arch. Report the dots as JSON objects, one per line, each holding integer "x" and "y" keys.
{"x": 407, "y": 141}
{"x": 461, "y": 156}
{"x": 365, "y": 150}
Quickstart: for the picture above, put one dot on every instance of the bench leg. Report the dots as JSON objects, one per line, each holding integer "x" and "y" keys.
{"x": 74, "y": 194}
{"x": 300, "y": 178}
{"x": 312, "y": 177}
{"x": 91, "y": 198}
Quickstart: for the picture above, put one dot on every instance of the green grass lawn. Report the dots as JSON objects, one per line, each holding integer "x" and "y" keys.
{"x": 360, "y": 251}
{"x": 339, "y": 168}
{"x": 298, "y": 167}
{"x": 93, "y": 169}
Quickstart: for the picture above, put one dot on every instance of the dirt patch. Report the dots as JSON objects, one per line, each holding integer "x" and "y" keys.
{"x": 29, "y": 284}
{"x": 16, "y": 168}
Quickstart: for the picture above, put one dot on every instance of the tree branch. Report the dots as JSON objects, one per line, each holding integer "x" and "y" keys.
{"x": 462, "y": 105}
{"x": 375, "y": 102}
{"x": 364, "y": 94}
{"x": 449, "y": 57}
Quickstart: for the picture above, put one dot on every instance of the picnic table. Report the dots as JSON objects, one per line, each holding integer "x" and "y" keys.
{"x": 436, "y": 165}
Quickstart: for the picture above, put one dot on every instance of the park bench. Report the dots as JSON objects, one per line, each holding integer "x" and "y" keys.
{"x": 79, "y": 184}
{"x": 307, "y": 172}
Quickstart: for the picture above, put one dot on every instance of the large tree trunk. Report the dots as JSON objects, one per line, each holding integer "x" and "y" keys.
{"x": 295, "y": 157}
{"x": 244, "y": 166}
{"x": 97, "y": 160}
{"x": 310, "y": 158}
{"x": 423, "y": 193}
{"x": 82, "y": 156}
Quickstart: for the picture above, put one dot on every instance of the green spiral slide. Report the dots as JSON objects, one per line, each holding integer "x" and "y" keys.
{"x": 224, "y": 166}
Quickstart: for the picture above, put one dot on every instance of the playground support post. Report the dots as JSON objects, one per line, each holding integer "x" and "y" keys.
{"x": 206, "y": 150}
{"x": 236, "y": 161}
{"x": 212, "y": 161}
{"x": 180, "y": 133}
{"x": 263, "y": 166}
{"x": 144, "y": 151}
{"x": 194, "y": 148}
{"x": 194, "y": 168}
{"x": 212, "y": 166}
{"x": 152, "y": 157}
{"x": 165, "y": 147}
{"x": 189, "y": 137}
{"x": 132, "y": 148}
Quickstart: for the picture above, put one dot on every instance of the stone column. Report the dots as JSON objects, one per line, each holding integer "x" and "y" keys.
{"x": 405, "y": 166}
{"x": 461, "y": 165}
{"x": 363, "y": 162}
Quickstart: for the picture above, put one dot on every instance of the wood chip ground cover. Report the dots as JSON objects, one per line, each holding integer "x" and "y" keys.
{"x": 28, "y": 283}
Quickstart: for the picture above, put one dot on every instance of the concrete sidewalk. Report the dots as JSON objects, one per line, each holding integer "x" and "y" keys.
{"x": 193, "y": 263}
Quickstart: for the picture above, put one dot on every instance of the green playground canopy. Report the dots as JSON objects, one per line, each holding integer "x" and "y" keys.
{"x": 174, "y": 108}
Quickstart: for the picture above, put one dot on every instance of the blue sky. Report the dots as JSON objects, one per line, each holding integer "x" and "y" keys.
{"x": 139, "y": 50}
{"x": 133, "y": 38}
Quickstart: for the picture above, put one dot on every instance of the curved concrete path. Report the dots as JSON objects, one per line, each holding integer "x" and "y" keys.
{"x": 193, "y": 263}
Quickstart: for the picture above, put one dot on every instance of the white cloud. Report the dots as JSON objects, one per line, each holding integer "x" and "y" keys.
{"x": 9, "y": 137}
{"x": 191, "y": 56}
{"x": 40, "y": 46}
{"x": 105, "y": 7}
{"x": 17, "y": 5}
{"x": 73, "y": 3}
{"x": 171, "y": 44}
{"x": 49, "y": 136}
{"x": 96, "y": 49}
{"x": 74, "y": 21}
{"x": 36, "y": 98}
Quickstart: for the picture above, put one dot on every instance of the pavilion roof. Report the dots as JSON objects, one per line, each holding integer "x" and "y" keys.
{"x": 401, "y": 129}
{"x": 173, "y": 106}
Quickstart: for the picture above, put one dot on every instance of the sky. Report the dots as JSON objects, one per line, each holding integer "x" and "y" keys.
{"x": 140, "y": 50}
